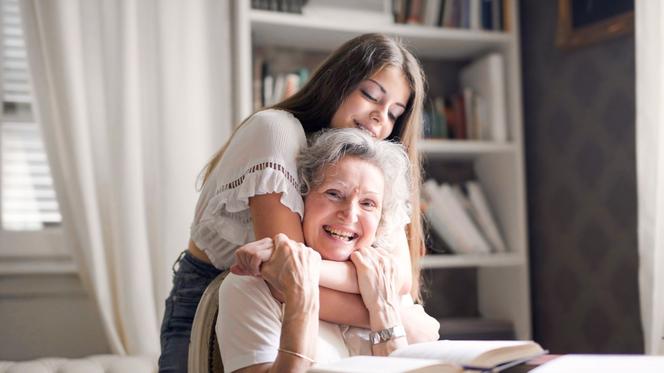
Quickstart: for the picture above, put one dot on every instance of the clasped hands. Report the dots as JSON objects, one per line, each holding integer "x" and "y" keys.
{"x": 287, "y": 265}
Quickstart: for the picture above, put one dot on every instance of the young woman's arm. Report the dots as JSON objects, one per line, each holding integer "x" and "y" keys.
{"x": 270, "y": 218}
{"x": 342, "y": 276}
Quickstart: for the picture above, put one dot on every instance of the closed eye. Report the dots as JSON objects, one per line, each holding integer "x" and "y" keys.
{"x": 369, "y": 96}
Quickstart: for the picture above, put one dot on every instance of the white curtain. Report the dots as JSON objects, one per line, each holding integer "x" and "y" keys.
{"x": 650, "y": 168}
{"x": 134, "y": 97}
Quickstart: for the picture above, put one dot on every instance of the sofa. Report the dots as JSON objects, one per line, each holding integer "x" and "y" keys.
{"x": 90, "y": 364}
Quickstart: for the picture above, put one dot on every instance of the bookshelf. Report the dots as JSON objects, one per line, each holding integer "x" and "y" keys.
{"x": 461, "y": 261}
{"x": 452, "y": 149}
{"x": 503, "y": 280}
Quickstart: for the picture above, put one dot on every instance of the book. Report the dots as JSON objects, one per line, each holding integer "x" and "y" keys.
{"x": 464, "y": 14}
{"x": 484, "y": 216}
{"x": 450, "y": 10}
{"x": 474, "y": 14}
{"x": 441, "y": 356}
{"x": 450, "y": 219}
{"x": 415, "y": 12}
{"x": 376, "y": 12}
{"x": 487, "y": 16}
{"x": 441, "y": 13}
{"x": 486, "y": 77}
{"x": 506, "y": 15}
{"x": 497, "y": 14}
{"x": 432, "y": 12}
{"x": 472, "y": 132}
{"x": 456, "y": 117}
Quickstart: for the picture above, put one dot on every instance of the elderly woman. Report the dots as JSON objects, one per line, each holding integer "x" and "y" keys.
{"x": 356, "y": 189}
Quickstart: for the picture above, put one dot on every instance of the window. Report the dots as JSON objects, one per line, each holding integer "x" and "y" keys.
{"x": 30, "y": 221}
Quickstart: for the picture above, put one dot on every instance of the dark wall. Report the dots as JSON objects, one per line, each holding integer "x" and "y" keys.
{"x": 579, "y": 121}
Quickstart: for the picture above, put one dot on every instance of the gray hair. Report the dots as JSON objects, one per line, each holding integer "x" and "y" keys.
{"x": 329, "y": 146}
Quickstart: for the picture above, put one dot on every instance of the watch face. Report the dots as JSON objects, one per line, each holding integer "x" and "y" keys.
{"x": 385, "y": 334}
{"x": 375, "y": 338}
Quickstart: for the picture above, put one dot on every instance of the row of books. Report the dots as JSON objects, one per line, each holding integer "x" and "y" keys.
{"x": 271, "y": 88}
{"x": 478, "y": 111}
{"x": 461, "y": 116}
{"x": 287, "y": 6}
{"x": 468, "y": 14}
{"x": 460, "y": 214}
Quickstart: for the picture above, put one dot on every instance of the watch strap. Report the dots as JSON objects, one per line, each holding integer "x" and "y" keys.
{"x": 387, "y": 334}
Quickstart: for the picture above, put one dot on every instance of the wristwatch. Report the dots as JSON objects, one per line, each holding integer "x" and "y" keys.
{"x": 387, "y": 334}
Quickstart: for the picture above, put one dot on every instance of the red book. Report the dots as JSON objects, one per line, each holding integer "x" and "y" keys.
{"x": 454, "y": 110}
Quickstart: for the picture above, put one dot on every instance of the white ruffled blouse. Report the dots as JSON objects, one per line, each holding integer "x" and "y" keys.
{"x": 260, "y": 159}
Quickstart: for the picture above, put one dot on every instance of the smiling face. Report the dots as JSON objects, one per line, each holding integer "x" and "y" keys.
{"x": 342, "y": 213}
{"x": 376, "y": 103}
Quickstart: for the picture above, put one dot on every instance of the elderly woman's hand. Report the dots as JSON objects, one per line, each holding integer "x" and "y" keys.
{"x": 377, "y": 278}
{"x": 293, "y": 272}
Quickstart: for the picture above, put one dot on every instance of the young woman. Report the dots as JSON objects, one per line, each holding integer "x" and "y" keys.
{"x": 250, "y": 189}
{"x": 355, "y": 189}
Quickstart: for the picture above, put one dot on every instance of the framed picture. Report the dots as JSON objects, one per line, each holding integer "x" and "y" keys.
{"x": 582, "y": 22}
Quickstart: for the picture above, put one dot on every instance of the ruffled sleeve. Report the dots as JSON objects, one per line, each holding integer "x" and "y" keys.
{"x": 260, "y": 159}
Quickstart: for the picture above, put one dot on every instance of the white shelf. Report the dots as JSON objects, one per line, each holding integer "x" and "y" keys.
{"x": 501, "y": 294}
{"x": 294, "y": 30}
{"x": 462, "y": 148}
{"x": 466, "y": 260}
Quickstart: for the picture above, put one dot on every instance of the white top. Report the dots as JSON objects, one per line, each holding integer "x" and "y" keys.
{"x": 260, "y": 159}
{"x": 249, "y": 326}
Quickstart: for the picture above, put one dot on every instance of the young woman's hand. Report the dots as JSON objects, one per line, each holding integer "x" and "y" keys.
{"x": 420, "y": 327}
{"x": 249, "y": 257}
{"x": 378, "y": 279}
{"x": 293, "y": 272}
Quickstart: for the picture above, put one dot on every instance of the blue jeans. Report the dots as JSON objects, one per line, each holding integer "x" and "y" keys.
{"x": 191, "y": 277}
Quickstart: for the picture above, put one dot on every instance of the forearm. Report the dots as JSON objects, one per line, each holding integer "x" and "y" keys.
{"x": 343, "y": 308}
{"x": 297, "y": 347}
{"x": 299, "y": 332}
{"x": 383, "y": 318}
{"x": 340, "y": 276}
{"x": 294, "y": 270}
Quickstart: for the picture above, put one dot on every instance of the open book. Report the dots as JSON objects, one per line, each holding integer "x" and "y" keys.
{"x": 441, "y": 356}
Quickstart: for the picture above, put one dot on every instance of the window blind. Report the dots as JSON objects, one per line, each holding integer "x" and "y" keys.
{"x": 28, "y": 199}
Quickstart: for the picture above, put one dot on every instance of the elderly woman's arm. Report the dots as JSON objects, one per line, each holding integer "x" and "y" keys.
{"x": 377, "y": 276}
{"x": 293, "y": 272}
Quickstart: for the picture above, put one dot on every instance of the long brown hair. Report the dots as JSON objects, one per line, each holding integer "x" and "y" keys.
{"x": 316, "y": 102}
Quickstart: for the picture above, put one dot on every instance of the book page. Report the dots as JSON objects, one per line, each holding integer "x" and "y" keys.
{"x": 383, "y": 364}
{"x": 475, "y": 353}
